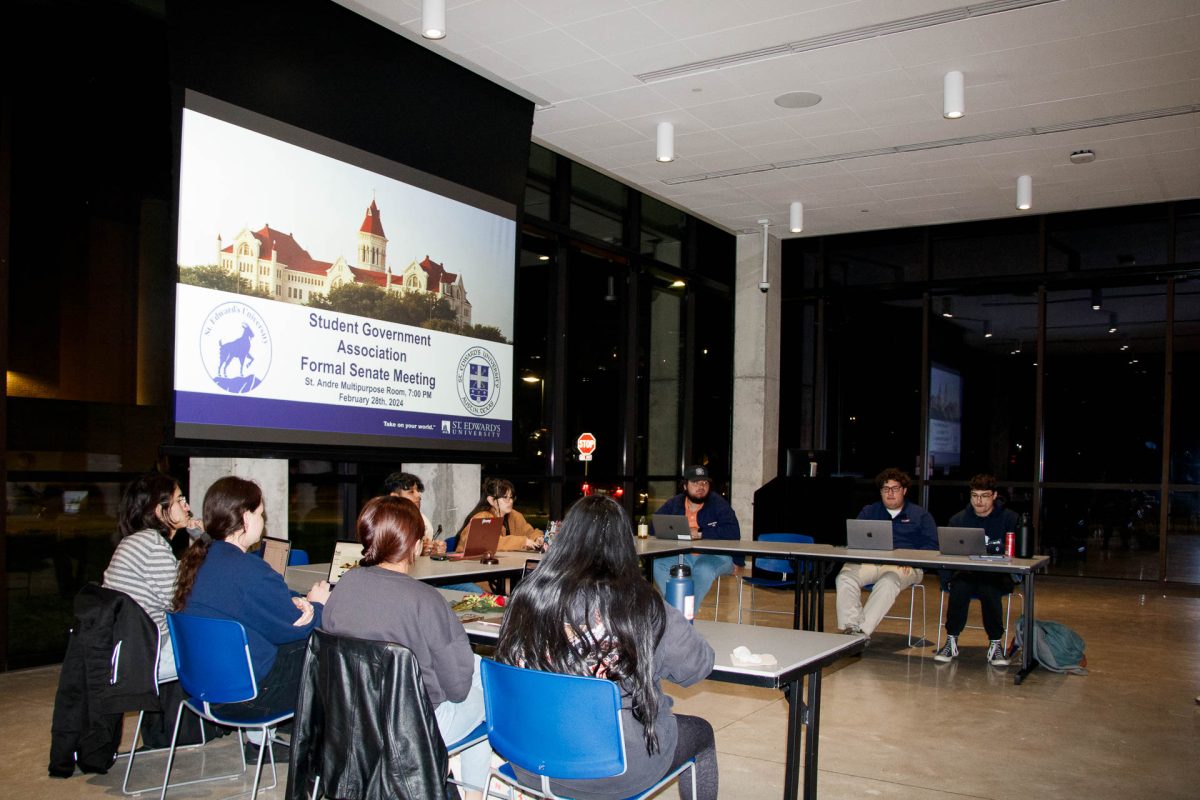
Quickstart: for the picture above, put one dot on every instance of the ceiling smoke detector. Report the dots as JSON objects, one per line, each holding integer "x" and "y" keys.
{"x": 1083, "y": 157}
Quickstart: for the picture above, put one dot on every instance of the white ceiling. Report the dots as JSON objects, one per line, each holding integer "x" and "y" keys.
{"x": 1062, "y": 61}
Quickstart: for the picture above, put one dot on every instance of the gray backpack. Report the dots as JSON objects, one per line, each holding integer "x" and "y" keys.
{"x": 1055, "y": 646}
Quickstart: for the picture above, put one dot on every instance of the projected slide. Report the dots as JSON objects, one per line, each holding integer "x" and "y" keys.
{"x": 945, "y": 417}
{"x": 330, "y": 297}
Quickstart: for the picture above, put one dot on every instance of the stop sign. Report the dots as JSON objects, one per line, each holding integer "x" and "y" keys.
{"x": 586, "y": 443}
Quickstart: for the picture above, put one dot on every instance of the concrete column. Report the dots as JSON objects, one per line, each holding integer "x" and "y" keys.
{"x": 755, "y": 374}
{"x": 271, "y": 474}
{"x": 451, "y": 490}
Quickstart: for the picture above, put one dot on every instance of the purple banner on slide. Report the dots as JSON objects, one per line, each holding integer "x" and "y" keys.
{"x": 250, "y": 412}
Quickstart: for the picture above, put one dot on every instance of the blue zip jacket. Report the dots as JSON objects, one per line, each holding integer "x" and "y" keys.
{"x": 912, "y": 529}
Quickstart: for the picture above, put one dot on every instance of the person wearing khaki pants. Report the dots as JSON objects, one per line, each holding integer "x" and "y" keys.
{"x": 912, "y": 529}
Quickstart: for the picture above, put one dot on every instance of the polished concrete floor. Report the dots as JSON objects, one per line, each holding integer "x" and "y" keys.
{"x": 894, "y": 724}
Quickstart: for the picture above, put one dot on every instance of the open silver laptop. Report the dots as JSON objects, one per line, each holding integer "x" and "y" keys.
{"x": 671, "y": 526}
{"x": 869, "y": 534}
{"x": 962, "y": 541}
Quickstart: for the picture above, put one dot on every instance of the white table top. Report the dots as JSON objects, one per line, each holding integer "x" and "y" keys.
{"x": 301, "y": 578}
{"x": 796, "y": 652}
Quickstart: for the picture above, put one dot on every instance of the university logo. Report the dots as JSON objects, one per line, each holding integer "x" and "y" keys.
{"x": 235, "y": 347}
{"x": 478, "y": 379}
{"x": 446, "y": 426}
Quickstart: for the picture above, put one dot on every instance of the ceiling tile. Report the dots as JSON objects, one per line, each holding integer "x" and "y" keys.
{"x": 619, "y": 32}
{"x": 565, "y": 12}
{"x": 591, "y": 77}
{"x": 540, "y": 52}
{"x": 567, "y": 115}
{"x": 639, "y": 101}
{"x": 490, "y": 21}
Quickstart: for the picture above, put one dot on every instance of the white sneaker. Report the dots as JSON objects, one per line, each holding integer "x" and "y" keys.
{"x": 949, "y": 650}
{"x": 995, "y": 654}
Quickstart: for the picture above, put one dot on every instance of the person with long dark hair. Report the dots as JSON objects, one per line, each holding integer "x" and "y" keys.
{"x": 153, "y": 520}
{"x": 587, "y": 610}
{"x": 496, "y": 499}
{"x": 380, "y": 601}
{"x": 218, "y": 579}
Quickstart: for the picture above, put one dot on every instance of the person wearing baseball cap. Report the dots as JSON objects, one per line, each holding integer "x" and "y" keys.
{"x": 710, "y": 517}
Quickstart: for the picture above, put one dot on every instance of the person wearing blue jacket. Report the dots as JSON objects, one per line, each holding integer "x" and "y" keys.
{"x": 913, "y": 528}
{"x": 220, "y": 580}
{"x": 710, "y": 517}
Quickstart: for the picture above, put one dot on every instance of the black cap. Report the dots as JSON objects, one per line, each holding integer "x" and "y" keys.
{"x": 697, "y": 472}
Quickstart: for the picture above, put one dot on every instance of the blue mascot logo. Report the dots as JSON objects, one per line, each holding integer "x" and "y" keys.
{"x": 235, "y": 347}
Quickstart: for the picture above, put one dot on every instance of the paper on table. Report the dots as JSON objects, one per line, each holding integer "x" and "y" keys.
{"x": 742, "y": 657}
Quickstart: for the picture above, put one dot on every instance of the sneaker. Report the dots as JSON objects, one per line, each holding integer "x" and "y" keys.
{"x": 995, "y": 654}
{"x": 949, "y": 650}
{"x": 852, "y": 630}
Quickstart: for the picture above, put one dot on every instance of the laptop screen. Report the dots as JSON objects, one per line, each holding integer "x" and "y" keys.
{"x": 346, "y": 556}
{"x": 276, "y": 552}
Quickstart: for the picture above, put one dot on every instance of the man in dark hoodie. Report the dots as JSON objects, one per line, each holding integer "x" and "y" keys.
{"x": 982, "y": 512}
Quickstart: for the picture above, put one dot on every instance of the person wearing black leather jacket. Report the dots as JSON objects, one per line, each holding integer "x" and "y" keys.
{"x": 378, "y": 600}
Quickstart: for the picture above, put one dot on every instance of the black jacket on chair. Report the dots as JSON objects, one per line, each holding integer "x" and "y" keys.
{"x": 109, "y": 669}
{"x": 364, "y": 724}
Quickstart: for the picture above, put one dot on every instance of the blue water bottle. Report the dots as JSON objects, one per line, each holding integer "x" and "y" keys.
{"x": 681, "y": 591}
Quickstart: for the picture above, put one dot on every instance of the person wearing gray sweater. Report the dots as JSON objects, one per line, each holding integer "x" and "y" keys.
{"x": 380, "y": 601}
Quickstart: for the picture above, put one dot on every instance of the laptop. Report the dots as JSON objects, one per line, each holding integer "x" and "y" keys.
{"x": 671, "y": 526}
{"x": 869, "y": 534}
{"x": 276, "y": 552}
{"x": 346, "y": 556}
{"x": 482, "y": 536}
{"x": 962, "y": 541}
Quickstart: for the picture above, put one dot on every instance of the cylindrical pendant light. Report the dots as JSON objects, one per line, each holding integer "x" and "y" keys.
{"x": 666, "y": 142}
{"x": 433, "y": 19}
{"x": 796, "y": 217}
{"x": 953, "y": 105}
{"x": 1024, "y": 193}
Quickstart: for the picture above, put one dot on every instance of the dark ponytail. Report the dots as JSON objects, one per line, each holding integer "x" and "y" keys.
{"x": 224, "y": 504}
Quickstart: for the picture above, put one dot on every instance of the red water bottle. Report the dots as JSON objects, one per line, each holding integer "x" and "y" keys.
{"x": 1010, "y": 544}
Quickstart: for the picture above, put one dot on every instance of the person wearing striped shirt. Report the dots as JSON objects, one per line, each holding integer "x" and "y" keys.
{"x": 153, "y": 519}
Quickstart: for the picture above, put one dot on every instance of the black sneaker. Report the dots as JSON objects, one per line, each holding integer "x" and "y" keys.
{"x": 995, "y": 654}
{"x": 949, "y": 650}
{"x": 278, "y": 749}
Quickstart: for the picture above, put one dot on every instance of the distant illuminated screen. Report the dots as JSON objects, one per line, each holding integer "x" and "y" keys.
{"x": 945, "y": 417}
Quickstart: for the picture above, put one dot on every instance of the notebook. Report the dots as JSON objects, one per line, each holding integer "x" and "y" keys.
{"x": 962, "y": 541}
{"x": 483, "y": 536}
{"x": 671, "y": 526}
{"x": 276, "y": 552}
{"x": 869, "y": 534}
{"x": 346, "y": 556}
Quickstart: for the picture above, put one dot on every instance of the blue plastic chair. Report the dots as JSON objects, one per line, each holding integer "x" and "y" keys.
{"x": 297, "y": 558}
{"x": 559, "y": 727}
{"x": 212, "y": 658}
{"x": 764, "y": 568}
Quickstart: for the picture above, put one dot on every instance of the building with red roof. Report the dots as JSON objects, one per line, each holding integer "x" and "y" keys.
{"x": 275, "y": 262}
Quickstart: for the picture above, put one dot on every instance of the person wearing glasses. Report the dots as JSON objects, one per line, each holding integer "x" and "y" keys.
{"x": 154, "y": 522}
{"x": 995, "y": 521}
{"x": 496, "y": 500}
{"x": 912, "y": 529}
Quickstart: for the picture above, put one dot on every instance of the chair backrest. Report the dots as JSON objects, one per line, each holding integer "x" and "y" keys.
{"x": 779, "y": 565}
{"x": 212, "y": 658}
{"x": 297, "y": 558}
{"x": 561, "y": 726}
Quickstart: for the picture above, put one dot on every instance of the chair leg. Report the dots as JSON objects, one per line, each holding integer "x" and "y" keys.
{"x": 741, "y": 587}
{"x": 137, "y": 732}
{"x": 171, "y": 752}
{"x": 941, "y": 619}
{"x": 717, "y": 602}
